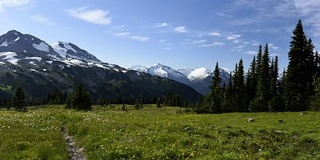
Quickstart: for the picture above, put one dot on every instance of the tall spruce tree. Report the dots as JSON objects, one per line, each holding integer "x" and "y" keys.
{"x": 276, "y": 101}
{"x": 297, "y": 96}
{"x": 260, "y": 103}
{"x": 229, "y": 96}
{"x": 216, "y": 91}
{"x": 240, "y": 93}
{"x": 251, "y": 82}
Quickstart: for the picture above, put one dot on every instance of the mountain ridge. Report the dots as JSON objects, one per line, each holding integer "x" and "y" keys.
{"x": 199, "y": 78}
{"x": 44, "y": 67}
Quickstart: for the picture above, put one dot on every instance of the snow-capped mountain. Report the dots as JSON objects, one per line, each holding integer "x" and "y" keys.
{"x": 199, "y": 79}
{"x": 20, "y": 47}
{"x": 69, "y": 50}
{"x": 44, "y": 67}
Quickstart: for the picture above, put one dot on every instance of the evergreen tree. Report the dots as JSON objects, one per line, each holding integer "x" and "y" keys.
{"x": 68, "y": 102}
{"x": 159, "y": 103}
{"x": 297, "y": 96}
{"x": 259, "y": 59}
{"x": 81, "y": 99}
{"x": 260, "y": 103}
{"x": 315, "y": 104}
{"x": 216, "y": 92}
{"x": 240, "y": 94}
{"x": 229, "y": 96}
{"x": 101, "y": 101}
{"x": 19, "y": 98}
{"x": 251, "y": 82}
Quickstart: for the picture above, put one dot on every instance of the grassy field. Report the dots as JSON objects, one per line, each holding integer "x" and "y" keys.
{"x": 159, "y": 133}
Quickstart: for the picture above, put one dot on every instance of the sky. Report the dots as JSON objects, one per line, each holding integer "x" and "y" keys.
{"x": 178, "y": 33}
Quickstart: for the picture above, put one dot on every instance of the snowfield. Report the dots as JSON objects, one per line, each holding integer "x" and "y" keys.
{"x": 41, "y": 47}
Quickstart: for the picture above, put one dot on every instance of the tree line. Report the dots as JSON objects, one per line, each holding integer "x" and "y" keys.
{"x": 261, "y": 89}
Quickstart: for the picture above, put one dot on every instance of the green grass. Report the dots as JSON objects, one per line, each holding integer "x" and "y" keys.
{"x": 160, "y": 133}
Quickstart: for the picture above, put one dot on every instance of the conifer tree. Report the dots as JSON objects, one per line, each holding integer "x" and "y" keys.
{"x": 229, "y": 95}
{"x": 251, "y": 82}
{"x": 315, "y": 104}
{"x": 81, "y": 99}
{"x": 297, "y": 95}
{"x": 19, "y": 98}
{"x": 259, "y": 59}
{"x": 260, "y": 103}
{"x": 276, "y": 101}
{"x": 240, "y": 94}
{"x": 216, "y": 93}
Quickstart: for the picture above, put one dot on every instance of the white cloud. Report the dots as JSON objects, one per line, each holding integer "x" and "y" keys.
{"x": 12, "y": 3}
{"x": 180, "y": 29}
{"x": 133, "y": 37}
{"x": 274, "y": 54}
{"x": 251, "y": 52}
{"x": 214, "y": 34}
{"x": 212, "y": 44}
{"x": 255, "y": 43}
{"x": 234, "y": 37}
{"x": 96, "y": 16}
{"x": 160, "y": 25}
{"x": 195, "y": 41}
{"x": 41, "y": 19}
{"x": 274, "y": 47}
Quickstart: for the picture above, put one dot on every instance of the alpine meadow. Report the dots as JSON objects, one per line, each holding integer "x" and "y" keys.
{"x": 58, "y": 101}
{"x": 254, "y": 115}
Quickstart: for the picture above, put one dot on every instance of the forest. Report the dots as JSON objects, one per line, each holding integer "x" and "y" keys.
{"x": 262, "y": 90}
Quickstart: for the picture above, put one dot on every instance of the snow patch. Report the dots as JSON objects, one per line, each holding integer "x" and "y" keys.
{"x": 16, "y": 39}
{"x": 35, "y": 58}
{"x": 10, "y": 57}
{"x": 200, "y": 73}
{"x": 41, "y": 47}
{"x": 33, "y": 70}
{"x": 61, "y": 51}
{"x": 31, "y": 62}
{"x": 50, "y": 62}
{"x": 2, "y": 63}
{"x": 101, "y": 66}
{"x": 77, "y": 62}
{"x": 159, "y": 72}
{"x": 4, "y": 44}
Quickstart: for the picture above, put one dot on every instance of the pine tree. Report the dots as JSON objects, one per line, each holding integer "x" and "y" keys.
{"x": 240, "y": 94}
{"x": 251, "y": 82}
{"x": 68, "y": 102}
{"x": 276, "y": 100}
{"x": 216, "y": 93}
{"x": 229, "y": 96}
{"x": 81, "y": 99}
{"x": 19, "y": 98}
{"x": 101, "y": 101}
{"x": 297, "y": 96}
{"x": 315, "y": 104}
{"x": 260, "y": 103}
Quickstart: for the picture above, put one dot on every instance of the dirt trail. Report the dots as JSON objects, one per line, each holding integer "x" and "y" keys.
{"x": 75, "y": 152}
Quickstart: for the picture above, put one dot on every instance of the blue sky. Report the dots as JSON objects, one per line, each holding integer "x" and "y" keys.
{"x": 178, "y": 33}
